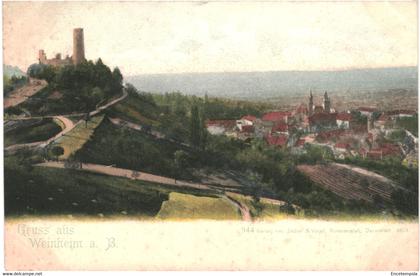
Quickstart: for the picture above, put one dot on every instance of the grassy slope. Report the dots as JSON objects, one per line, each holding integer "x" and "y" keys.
{"x": 28, "y": 134}
{"x": 129, "y": 109}
{"x": 50, "y": 191}
{"x": 182, "y": 206}
{"x": 131, "y": 149}
{"x": 76, "y": 138}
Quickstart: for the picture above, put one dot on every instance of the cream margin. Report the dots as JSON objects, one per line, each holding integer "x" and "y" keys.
{"x": 289, "y": 244}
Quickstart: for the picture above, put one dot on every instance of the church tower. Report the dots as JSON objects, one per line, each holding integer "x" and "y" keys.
{"x": 311, "y": 104}
{"x": 327, "y": 103}
{"x": 78, "y": 46}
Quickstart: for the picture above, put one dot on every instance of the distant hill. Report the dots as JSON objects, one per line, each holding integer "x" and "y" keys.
{"x": 277, "y": 83}
{"x": 9, "y": 71}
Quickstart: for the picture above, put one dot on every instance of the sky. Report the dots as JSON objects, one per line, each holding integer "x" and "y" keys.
{"x": 164, "y": 37}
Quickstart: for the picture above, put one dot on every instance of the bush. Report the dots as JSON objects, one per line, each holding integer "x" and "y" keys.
{"x": 56, "y": 151}
{"x": 287, "y": 208}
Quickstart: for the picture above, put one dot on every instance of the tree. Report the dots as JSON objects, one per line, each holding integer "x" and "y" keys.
{"x": 203, "y": 131}
{"x": 131, "y": 89}
{"x": 42, "y": 71}
{"x": 195, "y": 127}
{"x": 56, "y": 151}
{"x": 406, "y": 202}
{"x": 97, "y": 94}
{"x": 181, "y": 159}
{"x": 256, "y": 186}
{"x": 287, "y": 208}
{"x": 87, "y": 118}
{"x": 117, "y": 76}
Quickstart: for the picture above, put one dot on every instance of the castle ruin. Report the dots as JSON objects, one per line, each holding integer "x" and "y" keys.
{"x": 78, "y": 52}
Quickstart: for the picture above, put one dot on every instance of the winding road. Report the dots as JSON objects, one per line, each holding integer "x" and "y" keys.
{"x": 66, "y": 124}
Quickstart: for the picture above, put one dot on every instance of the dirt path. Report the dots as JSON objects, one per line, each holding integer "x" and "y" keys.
{"x": 138, "y": 127}
{"x": 244, "y": 210}
{"x": 131, "y": 174}
{"x": 66, "y": 126}
{"x": 23, "y": 93}
{"x": 111, "y": 103}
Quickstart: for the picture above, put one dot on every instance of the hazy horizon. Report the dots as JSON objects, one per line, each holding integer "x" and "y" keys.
{"x": 284, "y": 71}
{"x": 277, "y": 83}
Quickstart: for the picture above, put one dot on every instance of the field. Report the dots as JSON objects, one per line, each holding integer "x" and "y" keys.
{"x": 352, "y": 184}
{"x": 77, "y": 137}
{"x": 183, "y": 206}
{"x": 29, "y": 131}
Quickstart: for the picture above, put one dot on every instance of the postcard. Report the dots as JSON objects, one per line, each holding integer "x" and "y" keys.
{"x": 220, "y": 135}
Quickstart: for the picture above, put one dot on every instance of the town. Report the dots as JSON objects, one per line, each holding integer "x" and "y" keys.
{"x": 365, "y": 132}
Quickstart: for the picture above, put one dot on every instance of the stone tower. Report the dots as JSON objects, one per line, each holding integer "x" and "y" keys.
{"x": 78, "y": 46}
{"x": 327, "y": 103}
{"x": 42, "y": 57}
{"x": 311, "y": 104}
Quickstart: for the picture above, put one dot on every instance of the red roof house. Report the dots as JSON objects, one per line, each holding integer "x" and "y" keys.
{"x": 344, "y": 117}
{"x": 300, "y": 142}
{"x": 249, "y": 118}
{"x": 375, "y": 154}
{"x": 248, "y": 129}
{"x": 344, "y": 146}
{"x": 276, "y": 116}
{"x": 280, "y": 140}
{"x": 367, "y": 109}
{"x": 384, "y": 150}
{"x": 280, "y": 127}
{"x": 401, "y": 113}
{"x": 331, "y": 134}
{"x": 390, "y": 149}
{"x": 383, "y": 118}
